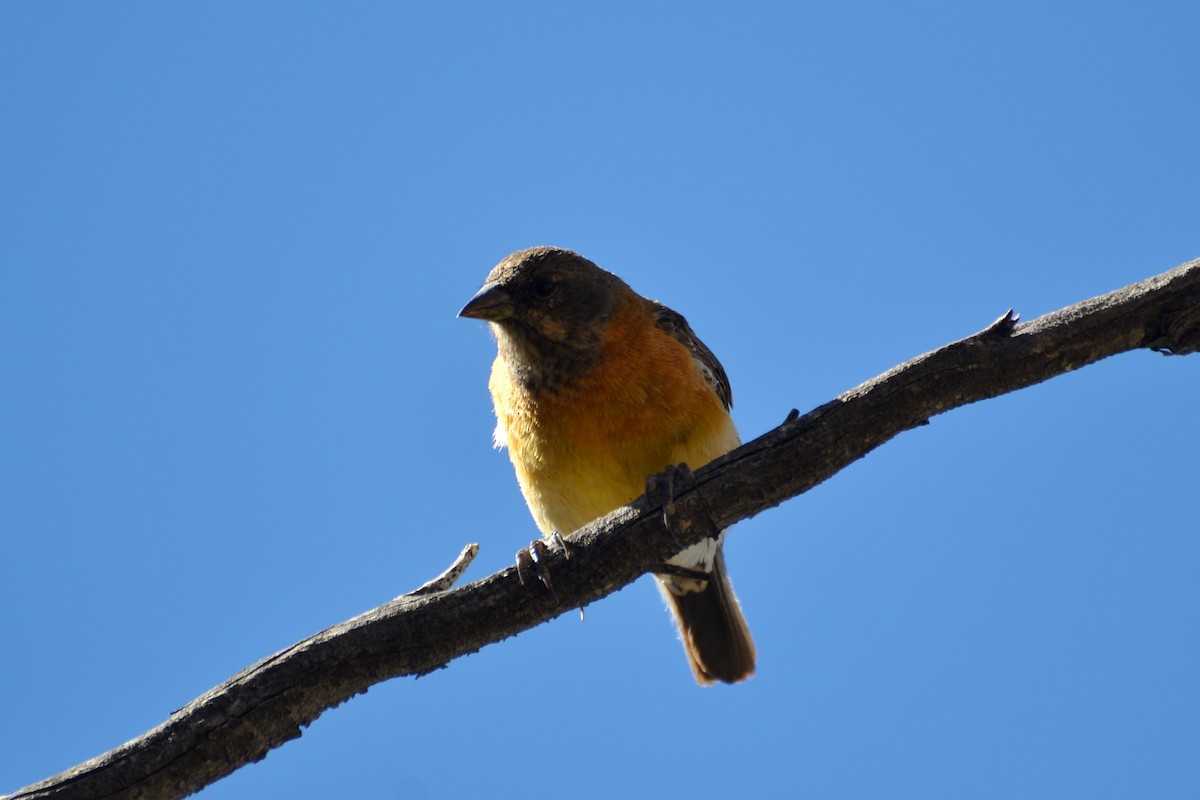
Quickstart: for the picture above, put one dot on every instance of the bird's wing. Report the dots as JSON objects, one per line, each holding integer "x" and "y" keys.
{"x": 673, "y": 323}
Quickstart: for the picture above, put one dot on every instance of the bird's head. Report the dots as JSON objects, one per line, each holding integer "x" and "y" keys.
{"x": 547, "y": 307}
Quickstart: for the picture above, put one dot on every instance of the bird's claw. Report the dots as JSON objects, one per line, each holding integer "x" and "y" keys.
{"x": 567, "y": 549}
{"x": 533, "y": 559}
{"x": 673, "y": 475}
{"x": 678, "y": 479}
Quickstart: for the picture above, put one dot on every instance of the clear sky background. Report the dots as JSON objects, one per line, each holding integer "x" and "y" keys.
{"x": 237, "y": 406}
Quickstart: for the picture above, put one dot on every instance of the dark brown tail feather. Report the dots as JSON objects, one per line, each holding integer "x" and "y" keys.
{"x": 714, "y": 633}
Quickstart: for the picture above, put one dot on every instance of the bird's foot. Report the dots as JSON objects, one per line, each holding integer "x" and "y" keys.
{"x": 533, "y": 559}
{"x": 665, "y": 484}
{"x": 669, "y": 483}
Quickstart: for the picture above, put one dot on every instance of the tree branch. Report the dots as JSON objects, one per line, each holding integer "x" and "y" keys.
{"x": 268, "y": 703}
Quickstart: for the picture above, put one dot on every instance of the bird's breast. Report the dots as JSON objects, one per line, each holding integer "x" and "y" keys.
{"x": 587, "y": 448}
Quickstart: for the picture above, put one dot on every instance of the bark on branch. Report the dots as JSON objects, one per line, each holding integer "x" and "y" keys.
{"x": 268, "y": 703}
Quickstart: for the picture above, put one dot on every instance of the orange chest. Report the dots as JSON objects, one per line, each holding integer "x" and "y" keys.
{"x": 583, "y": 451}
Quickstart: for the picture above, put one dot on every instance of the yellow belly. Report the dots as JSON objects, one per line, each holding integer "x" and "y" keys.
{"x": 581, "y": 454}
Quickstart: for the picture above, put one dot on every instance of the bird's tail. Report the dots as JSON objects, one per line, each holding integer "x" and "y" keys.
{"x": 711, "y": 625}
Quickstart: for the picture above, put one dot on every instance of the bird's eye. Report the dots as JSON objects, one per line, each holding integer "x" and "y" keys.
{"x": 543, "y": 288}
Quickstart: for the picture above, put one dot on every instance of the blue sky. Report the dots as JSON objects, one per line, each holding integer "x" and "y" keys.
{"x": 238, "y": 407}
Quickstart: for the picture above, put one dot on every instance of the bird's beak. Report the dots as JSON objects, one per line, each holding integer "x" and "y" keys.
{"x": 492, "y": 303}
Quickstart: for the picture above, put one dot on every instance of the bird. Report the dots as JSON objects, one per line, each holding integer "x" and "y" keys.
{"x": 595, "y": 389}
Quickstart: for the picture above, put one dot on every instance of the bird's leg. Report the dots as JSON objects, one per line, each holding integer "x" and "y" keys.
{"x": 673, "y": 478}
{"x": 534, "y": 558}
{"x": 674, "y": 475}
{"x": 663, "y": 484}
